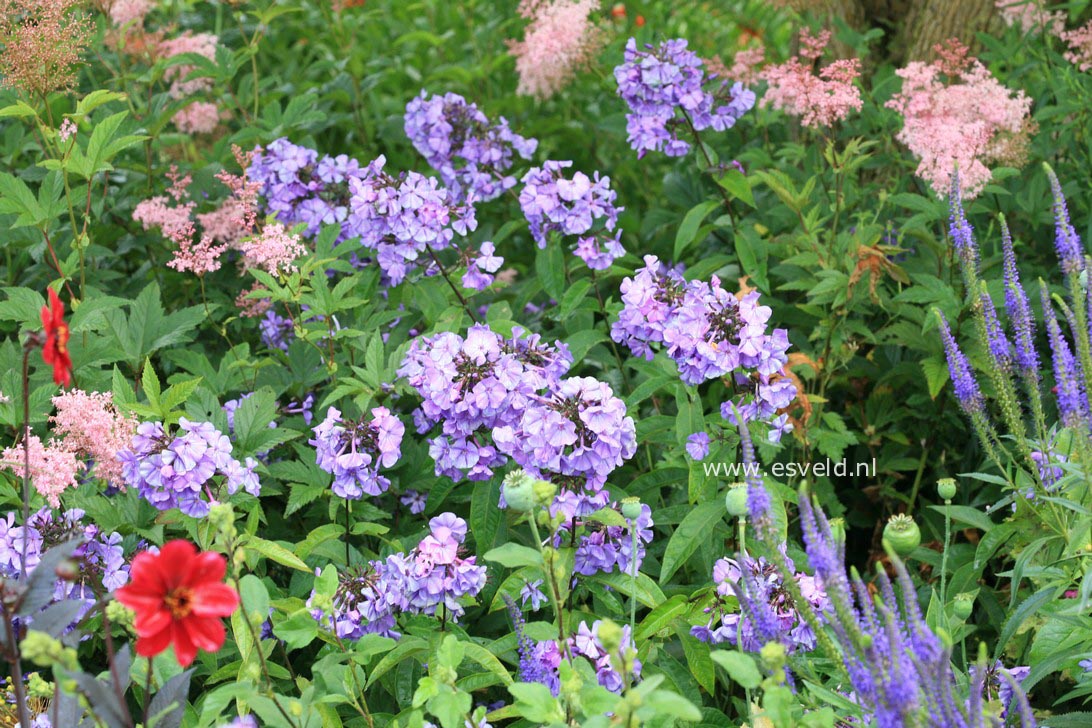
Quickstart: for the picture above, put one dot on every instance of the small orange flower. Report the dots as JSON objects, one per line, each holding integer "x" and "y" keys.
{"x": 55, "y": 350}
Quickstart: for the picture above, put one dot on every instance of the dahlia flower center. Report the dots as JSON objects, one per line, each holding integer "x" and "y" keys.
{"x": 179, "y": 602}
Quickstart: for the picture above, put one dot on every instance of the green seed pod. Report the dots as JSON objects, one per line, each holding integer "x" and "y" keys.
{"x": 901, "y": 534}
{"x": 631, "y": 508}
{"x": 736, "y": 500}
{"x": 946, "y": 488}
{"x": 519, "y": 491}
{"x": 610, "y": 634}
{"x": 963, "y": 605}
{"x": 838, "y": 530}
{"x": 544, "y": 492}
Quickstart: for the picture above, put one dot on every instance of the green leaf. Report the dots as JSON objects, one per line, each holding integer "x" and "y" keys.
{"x": 662, "y": 617}
{"x": 276, "y": 552}
{"x": 968, "y": 515}
{"x": 513, "y": 556}
{"x": 738, "y": 185}
{"x": 740, "y": 667}
{"x": 648, "y": 592}
{"x": 485, "y": 514}
{"x": 550, "y": 266}
{"x": 298, "y": 631}
{"x": 696, "y": 528}
{"x": 688, "y": 229}
{"x": 485, "y": 658}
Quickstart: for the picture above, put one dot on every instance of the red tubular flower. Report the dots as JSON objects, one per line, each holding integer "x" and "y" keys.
{"x": 55, "y": 351}
{"x": 179, "y": 597}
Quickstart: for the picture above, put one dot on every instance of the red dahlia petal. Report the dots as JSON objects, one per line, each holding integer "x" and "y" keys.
{"x": 214, "y": 600}
{"x": 207, "y": 566}
{"x": 184, "y": 649}
{"x": 206, "y": 633}
{"x": 153, "y": 644}
{"x": 151, "y": 621}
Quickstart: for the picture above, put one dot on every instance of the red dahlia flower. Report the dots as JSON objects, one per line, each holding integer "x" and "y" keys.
{"x": 179, "y": 597}
{"x": 55, "y": 351}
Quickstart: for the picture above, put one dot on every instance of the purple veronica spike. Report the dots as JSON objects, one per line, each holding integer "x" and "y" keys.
{"x": 966, "y": 388}
{"x": 1072, "y": 400}
{"x": 758, "y": 500}
{"x": 997, "y": 342}
{"x": 1066, "y": 241}
{"x": 1019, "y": 311}
{"x": 962, "y": 233}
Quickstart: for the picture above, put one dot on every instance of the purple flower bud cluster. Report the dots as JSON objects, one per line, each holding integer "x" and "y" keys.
{"x": 298, "y": 187}
{"x": 472, "y": 385}
{"x": 709, "y": 333}
{"x": 601, "y": 548}
{"x": 431, "y": 576}
{"x": 579, "y": 431}
{"x": 472, "y": 155}
{"x": 353, "y": 451}
{"x": 539, "y": 662}
{"x": 551, "y": 203}
{"x": 758, "y": 582}
{"x": 171, "y": 471}
{"x": 664, "y": 87}
{"x": 302, "y": 407}
{"x": 401, "y": 217}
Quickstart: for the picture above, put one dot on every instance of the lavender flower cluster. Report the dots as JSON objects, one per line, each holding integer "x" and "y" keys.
{"x": 579, "y": 431}
{"x": 172, "y": 470}
{"x": 758, "y": 583}
{"x": 354, "y": 450}
{"x": 397, "y": 217}
{"x": 664, "y": 87}
{"x": 470, "y": 386}
{"x": 601, "y": 548}
{"x": 553, "y": 204}
{"x": 472, "y": 155}
{"x": 430, "y": 577}
{"x": 709, "y": 333}
{"x": 99, "y": 556}
{"x": 539, "y": 661}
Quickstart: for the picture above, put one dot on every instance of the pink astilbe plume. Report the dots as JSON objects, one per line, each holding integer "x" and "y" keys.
{"x": 224, "y": 224}
{"x": 53, "y": 468}
{"x": 42, "y": 43}
{"x": 955, "y": 113}
{"x": 200, "y": 117}
{"x": 1080, "y": 46}
{"x": 93, "y": 427}
{"x": 1031, "y": 16}
{"x": 252, "y": 307}
{"x": 124, "y": 12}
{"x": 176, "y": 222}
{"x": 273, "y": 250}
{"x": 746, "y": 66}
{"x": 559, "y": 40}
{"x": 203, "y": 44}
{"x": 819, "y": 97}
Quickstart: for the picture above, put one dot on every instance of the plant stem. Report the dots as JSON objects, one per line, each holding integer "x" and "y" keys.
{"x": 944, "y": 553}
{"x": 458, "y": 293}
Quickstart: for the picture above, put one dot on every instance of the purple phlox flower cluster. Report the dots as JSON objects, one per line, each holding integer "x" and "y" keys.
{"x": 99, "y": 557}
{"x": 539, "y": 662}
{"x": 1066, "y": 241}
{"x": 401, "y": 218}
{"x": 1049, "y": 464}
{"x": 772, "y": 613}
{"x": 899, "y": 670}
{"x": 602, "y": 548}
{"x": 300, "y": 188}
{"x": 709, "y": 333}
{"x": 665, "y": 89}
{"x": 481, "y": 267}
{"x": 171, "y": 471}
{"x": 431, "y": 576}
{"x": 553, "y": 204}
{"x": 470, "y": 386}
{"x": 354, "y": 450}
{"x": 277, "y": 331}
{"x": 414, "y": 500}
{"x": 580, "y": 431}
{"x": 472, "y": 155}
